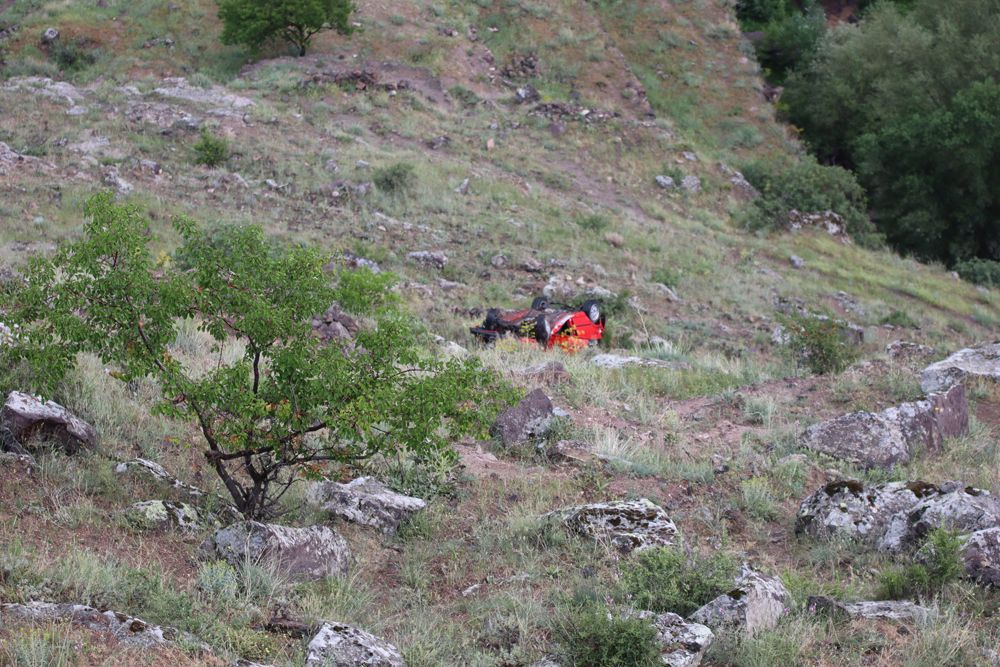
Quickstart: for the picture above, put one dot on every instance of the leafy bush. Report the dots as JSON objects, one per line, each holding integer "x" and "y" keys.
{"x": 761, "y": 11}
{"x": 666, "y": 276}
{"x": 253, "y": 23}
{"x": 809, "y": 187}
{"x": 594, "y": 222}
{"x": 290, "y": 401}
{"x": 790, "y": 41}
{"x": 939, "y": 564}
{"x": 211, "y": 150}
{"x": 669, "y": 579}
{"x": 396, "y": 180}
{"x": 73, "y": 55}
{"x": 900, "y": 318}
{"x": 593, "y": 636}
{"x": 819, "y": 342}
{"x": 985, "y": 272}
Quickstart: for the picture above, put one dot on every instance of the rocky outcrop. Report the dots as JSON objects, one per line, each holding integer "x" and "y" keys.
{"x": 755, "y": 604}
{"x": 895, "y": 435}
{"x": 682, "y": 644}
{"x": 154, "y": 471}
{"x": 628, "y": 525}
{"x": 529, "y": 419}
{"x": 303, "y": 554}
{"x": 335, "y": 324}
{"x": 964, "y": 509}
{"x": 432, "y": 258}
{"x": 904, "y": 350}
{"x": 126, "y": 629}
{"x": 341, "y": 645}
{"x": 164, "y": 515}
{"x": 365, "y": 501}
{"x": 981, "y": 557}
{"x": 223, "y": 103}
{"x": 25, "y": 416}
{"x": 982, "y": 361}
{"x": 608, "y": 360}
{"x": 848, "y": 508}
{"x": 883, "y": 610}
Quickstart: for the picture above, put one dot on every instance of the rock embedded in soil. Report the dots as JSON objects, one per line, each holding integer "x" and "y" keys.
{"x": 981, "y": 557}
{"x": 904, "y": 350}
{"x": 342, "y": 645}
{"x": 365, "y": 501}
{"x": 756, "y": 603}
{"x": 681, "y": 644}
{"x": 964, "y": 509}
{"x": 848, "y": 508}
{"x": 165, "y": 514}
{"x": 531, "y": 418}
{"x": 549, "y": 372}
{"x": 628, "y": 525}
{"x": 25, "y": 416}
{"x": 895, "y": 435}
{"x": 303, "y": 554}
{"x": 982, "y": 361}
{"x": 883, "y": 610}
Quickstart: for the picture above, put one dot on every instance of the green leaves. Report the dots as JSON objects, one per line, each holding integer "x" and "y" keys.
{"x": 255, "y": 22}
{"x": 288, "y": 398}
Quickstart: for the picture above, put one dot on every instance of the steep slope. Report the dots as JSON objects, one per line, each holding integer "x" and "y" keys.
{"x": 561, "y": 194}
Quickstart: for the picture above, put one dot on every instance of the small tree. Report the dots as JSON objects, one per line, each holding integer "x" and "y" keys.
{"x": 289, "y": 400}
{"x": 255, "y": 22}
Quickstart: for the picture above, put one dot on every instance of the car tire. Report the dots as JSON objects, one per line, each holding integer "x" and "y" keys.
{"x": 540, "y": 303}
{"x": 592, "y": 309}
{"x": 543, "y": 332}
{"x": 492, "y": 320}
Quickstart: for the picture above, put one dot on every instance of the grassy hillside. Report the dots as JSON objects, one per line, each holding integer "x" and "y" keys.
{"x": 567, "y": 199}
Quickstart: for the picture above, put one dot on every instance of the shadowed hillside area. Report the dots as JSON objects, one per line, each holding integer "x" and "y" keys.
{"x": 216, "y": 261}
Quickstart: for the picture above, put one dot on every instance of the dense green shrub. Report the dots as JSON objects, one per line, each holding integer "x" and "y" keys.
{"x": 211, "y": 150}
{"x": 594, "y": 222}
{"x": 253, "y": 23}
{"x": 809, "y": 187}
{"x": 938, "y": 563}
{"x": 73, "y": 55}
{"x": 396, "y": 180}
{"x": 985, "y": 272}
{"x": 670, "y": 579}
{"x": 790, "y": 41}
{"x": 594, "y": 636}
{"x": 759, "y": 12}
{"x": 290, "y": 402}
{"x": 919, "y": 122}
{"x": 819, "y": 342}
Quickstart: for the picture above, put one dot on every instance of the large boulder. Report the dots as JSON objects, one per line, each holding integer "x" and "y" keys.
{"x": 25, "y": 416}
{"x": 341, "y": 645}
{"x": 366, "y": 501}
{"x": 893, "y": 436}
{"x": 848, "y": 508}
{"x": 164, "y": 515}
{"x": 125, "y": 629}
{"x": 981, "y": 556}
{"x": 956, "y": 507}
{"x": 303, "y": 554}
{"x": 682, "y": 644}
{"x": 756, "y": 603}
{"x": 883, "y": 610}
{"x": 982, "y": 361}
{"x": 525, "y": 421}
{"x": 629, "y": 525}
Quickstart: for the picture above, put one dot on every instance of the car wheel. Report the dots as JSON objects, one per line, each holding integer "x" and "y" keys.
{"x": 592, "y": 309}
{"x": 542, "y": 331}
{"x": 540, "y": 303}
{"x": 492, "y": 320}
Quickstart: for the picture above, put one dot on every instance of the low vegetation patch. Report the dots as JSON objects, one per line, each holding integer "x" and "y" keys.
{"x": 671, "y": 579}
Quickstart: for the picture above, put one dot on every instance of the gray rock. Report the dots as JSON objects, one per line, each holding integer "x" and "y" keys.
{"x": 629, "y": 525}
{"x": 682, "y": 644}
{"x": 341, "y": 645}
{"x": 335, "y": 324}
{"x": 981, "y": 557}
{"x": 796, "y": 261}
{"x": 304, "y": 554}
{"x": 526, "y": 94}
{"x": 58, "y": 91}
{"x": 111, "y": 177}
{"x": 982, "y": 361}
{"x": 548, "y": 372}
{"x": 756, "y": 603}
{"x": 829, "y": 221}
{"x": 225, "y": 102}
{"x": 902, "y": 350}
{"x": 165, "y": 514}
{"x": 665, "y": 182}
{"x": 609, "y": 360}
{"x": 895, "y": 435}
{"x": 691, "y": 183}
{"x": 365, "y": 501}
{"x": 166, "y": 117}
{"x": 463, "y": 187}
{"x": 848, "y": 508}
{"x": 128, "y": 630}
{"x": 50, "y": 35}
{"x": 529, "y": 419}
{"x": 883, "y": 610}
{"x": 25, "y": 416}
{"x": 964, "y": 509}
{"x": 434, "y": 258}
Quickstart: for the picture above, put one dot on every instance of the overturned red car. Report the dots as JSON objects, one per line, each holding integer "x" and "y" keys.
{"x": 547, "y": 324}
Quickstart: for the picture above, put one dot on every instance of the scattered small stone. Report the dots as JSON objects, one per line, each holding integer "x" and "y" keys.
{"x": 498, "y": 261}
{"x": 49, "y": 35}
{"x": 689, "y": 156}
{"x": 796, "y": 261}
{"x": 437, "y": 143}
{"x": 614, "y": 239}
{"x": 463, "y": 187}
{"x": 527, "y": 94}
{"x": 434, "y": 258}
